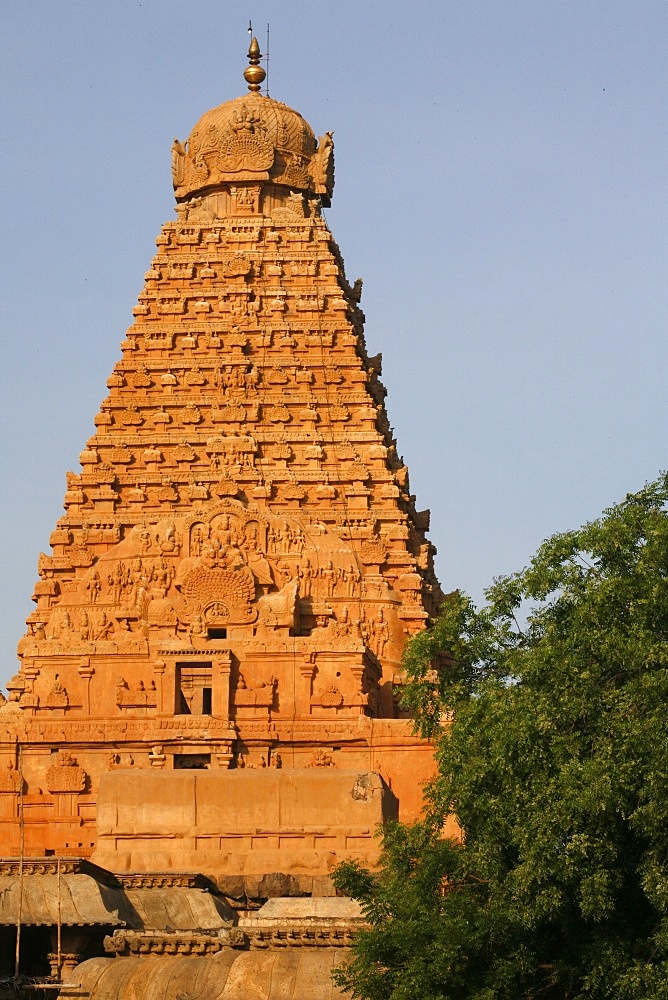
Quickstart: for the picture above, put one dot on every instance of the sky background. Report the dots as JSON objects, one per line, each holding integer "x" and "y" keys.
{"x": 500, "y": 186}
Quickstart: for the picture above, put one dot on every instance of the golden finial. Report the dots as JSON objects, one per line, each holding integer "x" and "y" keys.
{"x": 254, "y": 74}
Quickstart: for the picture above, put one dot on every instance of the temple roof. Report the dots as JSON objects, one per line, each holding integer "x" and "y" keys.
{"x": 283, "y": 974}
{"x": 76, "y": 893}
{"x": 253, "y": 138}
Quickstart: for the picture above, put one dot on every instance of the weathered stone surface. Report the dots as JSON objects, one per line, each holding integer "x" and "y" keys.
{"x": 286, "y": 974}
{"x": 283, "y": 910}
{"x": 233, "y": 886}
{"x": 240, "y": 821}
{"x": 322, "y": 885}
{"x": 278, "y": 884}
{"x": 241, "y": 887}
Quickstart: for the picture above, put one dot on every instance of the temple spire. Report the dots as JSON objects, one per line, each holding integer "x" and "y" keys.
{"x": 254, "y": 74}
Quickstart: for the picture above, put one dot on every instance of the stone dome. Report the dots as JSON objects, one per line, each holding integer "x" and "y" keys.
{"x": 253, "y": 138}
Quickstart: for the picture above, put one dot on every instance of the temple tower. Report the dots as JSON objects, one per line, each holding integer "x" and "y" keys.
{"x": 221, "y": 618}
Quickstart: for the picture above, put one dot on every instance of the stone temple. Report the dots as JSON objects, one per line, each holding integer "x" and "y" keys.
{"x": 205, "y": 719}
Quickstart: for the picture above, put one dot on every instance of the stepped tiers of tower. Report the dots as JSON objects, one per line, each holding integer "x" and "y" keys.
{"x": 240, "y": 562}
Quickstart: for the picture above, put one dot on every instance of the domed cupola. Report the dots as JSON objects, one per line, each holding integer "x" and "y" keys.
{"x": 253, "y": 139}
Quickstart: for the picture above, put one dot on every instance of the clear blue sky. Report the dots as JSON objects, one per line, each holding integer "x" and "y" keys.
{"x": 500, "y": 186}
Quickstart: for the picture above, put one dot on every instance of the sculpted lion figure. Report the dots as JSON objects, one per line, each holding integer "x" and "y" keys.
{"x": 280, "y": 608}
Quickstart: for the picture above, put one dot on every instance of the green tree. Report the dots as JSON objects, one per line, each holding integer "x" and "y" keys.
{"x": 554, "y": 762}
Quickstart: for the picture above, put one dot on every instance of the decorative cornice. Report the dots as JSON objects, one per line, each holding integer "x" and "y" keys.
{"x": 300, "y": 936}
{"x": 14, "y": 867}
{"x": 164, "y": 880}
{"x": 166, "y": 942}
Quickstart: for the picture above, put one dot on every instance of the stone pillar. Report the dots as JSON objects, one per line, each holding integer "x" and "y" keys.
{"x": 73, "y": 946}
{"x": 159, "y": 669}
{"x": 166, "y": 684}
{"x": 223, "y": 757}
{"x": 68, "y": 963}
{"x": 220, "y": 696}
{"x": 305, "y": 689}
{"x": 357, "y": 670}
{"x": 86, "y": 671}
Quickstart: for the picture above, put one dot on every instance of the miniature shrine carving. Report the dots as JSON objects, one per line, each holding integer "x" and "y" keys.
{"x": 66, "y": 775}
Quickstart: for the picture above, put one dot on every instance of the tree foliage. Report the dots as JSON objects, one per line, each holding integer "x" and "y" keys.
{"x": 554, "y": 761}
